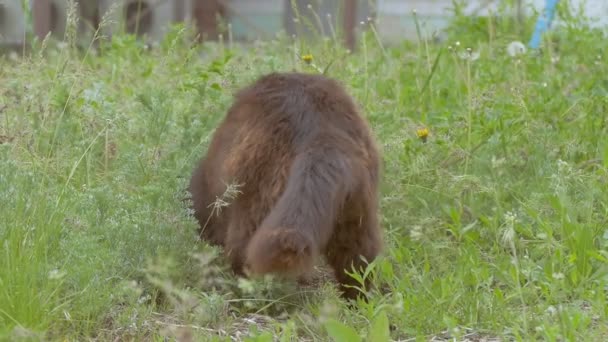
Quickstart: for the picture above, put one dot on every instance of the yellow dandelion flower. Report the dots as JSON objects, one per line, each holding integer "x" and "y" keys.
{"x": 307, "y": 58}
{"x": 422, "y": 133}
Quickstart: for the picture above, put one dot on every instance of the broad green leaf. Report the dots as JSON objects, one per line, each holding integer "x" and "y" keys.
{"x": 379, "y": 331}
{"x": 340, "y": 332}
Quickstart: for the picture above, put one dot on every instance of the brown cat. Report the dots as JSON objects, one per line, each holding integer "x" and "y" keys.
{"x": 309, "y": 169}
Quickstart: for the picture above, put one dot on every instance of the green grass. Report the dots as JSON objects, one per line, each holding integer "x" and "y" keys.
{"x": 496, "y": 226}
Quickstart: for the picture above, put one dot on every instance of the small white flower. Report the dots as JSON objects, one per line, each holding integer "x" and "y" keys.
{"x": 497, "y": 162}
{"x": 143, "y": 299}
{"x": 551, "y": 310}
{"x": 469, "y": 54}
{"x": 416, "y": 233}
{"x": 516, "y": 48}
{"x": 558, "y": 275}
{"x": 56, "y": 274}
{"x": 510, "y": 217}
{"x": 563, "y": 167}
{"x": 508, "y": 235}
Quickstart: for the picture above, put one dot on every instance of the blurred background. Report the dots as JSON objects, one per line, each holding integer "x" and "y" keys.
{"x": 247, "y": 20}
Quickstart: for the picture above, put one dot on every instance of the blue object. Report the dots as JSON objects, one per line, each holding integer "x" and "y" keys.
{"x": 542, "y": 23}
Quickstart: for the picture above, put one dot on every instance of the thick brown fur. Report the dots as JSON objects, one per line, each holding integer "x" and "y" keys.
{"x": 309, "y": 170}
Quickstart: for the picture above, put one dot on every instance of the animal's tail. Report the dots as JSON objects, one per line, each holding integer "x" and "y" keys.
{"x": 302, "y": 220}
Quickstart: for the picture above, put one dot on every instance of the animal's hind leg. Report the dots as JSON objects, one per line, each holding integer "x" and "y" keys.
{"x": 356, "y": 235}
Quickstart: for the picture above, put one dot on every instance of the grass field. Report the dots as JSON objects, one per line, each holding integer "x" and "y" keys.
{"x": 496, "y": 224}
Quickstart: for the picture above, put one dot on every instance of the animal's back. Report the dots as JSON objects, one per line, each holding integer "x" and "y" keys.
{"x": 283, "y": 114}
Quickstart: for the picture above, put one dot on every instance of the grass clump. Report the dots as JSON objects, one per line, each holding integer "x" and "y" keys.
{"x": 493, "y": 199}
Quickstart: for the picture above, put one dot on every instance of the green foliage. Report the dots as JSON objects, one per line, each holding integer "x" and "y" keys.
{"x": 379, "y": 330}
{"x": 495, "y": 222}
{"x": 340, "y": 332}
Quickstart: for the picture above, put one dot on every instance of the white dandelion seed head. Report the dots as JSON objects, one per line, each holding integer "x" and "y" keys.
{"x": 516, "y": 48}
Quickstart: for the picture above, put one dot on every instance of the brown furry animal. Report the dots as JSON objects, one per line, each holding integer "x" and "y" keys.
{"x": 309, "y": 170}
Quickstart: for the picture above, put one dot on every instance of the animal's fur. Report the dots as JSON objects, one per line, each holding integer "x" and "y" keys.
{"x": 309, "y": 170}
